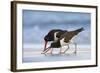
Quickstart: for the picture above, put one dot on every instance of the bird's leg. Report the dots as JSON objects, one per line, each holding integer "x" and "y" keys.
{"x": 66, "y": 49}
{"x": 60, "y": 50}
{"x": 46, "y": 50}
{"x": 51, "y": 50}
{"x": 75, "y": 48}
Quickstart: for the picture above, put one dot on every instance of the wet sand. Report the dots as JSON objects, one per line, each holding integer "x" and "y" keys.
{"x": 36, "y": 56}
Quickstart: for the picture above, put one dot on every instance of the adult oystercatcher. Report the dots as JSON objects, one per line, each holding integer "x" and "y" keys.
{"x": 53, "y": 35}
{"x": 64, "y": 39}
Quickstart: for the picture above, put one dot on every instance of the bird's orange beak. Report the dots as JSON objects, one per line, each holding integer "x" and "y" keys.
{"x": 45, "y": 45}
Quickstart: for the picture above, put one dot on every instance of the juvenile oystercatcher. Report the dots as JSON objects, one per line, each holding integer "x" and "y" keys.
{"x": 64, "y": 40}
{"x": 53, "y": 35}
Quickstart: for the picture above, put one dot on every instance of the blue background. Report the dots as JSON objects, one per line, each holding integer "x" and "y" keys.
{"x": 36, "y": 24}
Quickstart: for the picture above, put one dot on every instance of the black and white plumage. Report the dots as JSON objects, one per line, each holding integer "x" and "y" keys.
{"x": 64, "y": 39}
{"x": 53, "y": 35}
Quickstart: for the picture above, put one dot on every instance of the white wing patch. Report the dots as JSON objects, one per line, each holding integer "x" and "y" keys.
{"x": 55, "y": 38}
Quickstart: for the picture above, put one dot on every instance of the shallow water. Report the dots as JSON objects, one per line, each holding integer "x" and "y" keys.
{"x": 69, "y": 56}
{"x": 32, "y": 53}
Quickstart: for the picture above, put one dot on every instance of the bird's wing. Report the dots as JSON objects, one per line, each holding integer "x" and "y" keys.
{"x": 62, "y": 36}
{"x": 67, "y": 36}
{"x": 60, "y": 33}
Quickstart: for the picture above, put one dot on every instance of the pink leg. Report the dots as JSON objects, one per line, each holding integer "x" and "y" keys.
{"x": 66, "y": 49}
{"x": 60, "y": 50}
{"x": 46, "y": 50}
{"x": 75, "y": 48}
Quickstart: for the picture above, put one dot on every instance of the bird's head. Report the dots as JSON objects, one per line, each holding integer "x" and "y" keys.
{"x": 46, "y": 39}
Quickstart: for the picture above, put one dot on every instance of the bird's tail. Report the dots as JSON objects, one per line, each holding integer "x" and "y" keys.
{"x": 79, "y": 30}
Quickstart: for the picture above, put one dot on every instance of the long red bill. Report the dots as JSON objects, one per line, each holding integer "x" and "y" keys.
{"x": 45, "y": 45}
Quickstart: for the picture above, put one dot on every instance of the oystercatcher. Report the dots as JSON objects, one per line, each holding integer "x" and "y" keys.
{"x": 53, "y": 35}
{"x": 64, "y": 40}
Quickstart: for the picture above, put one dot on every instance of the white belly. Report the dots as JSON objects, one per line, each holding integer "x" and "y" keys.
{"x": 63, "y": 43}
